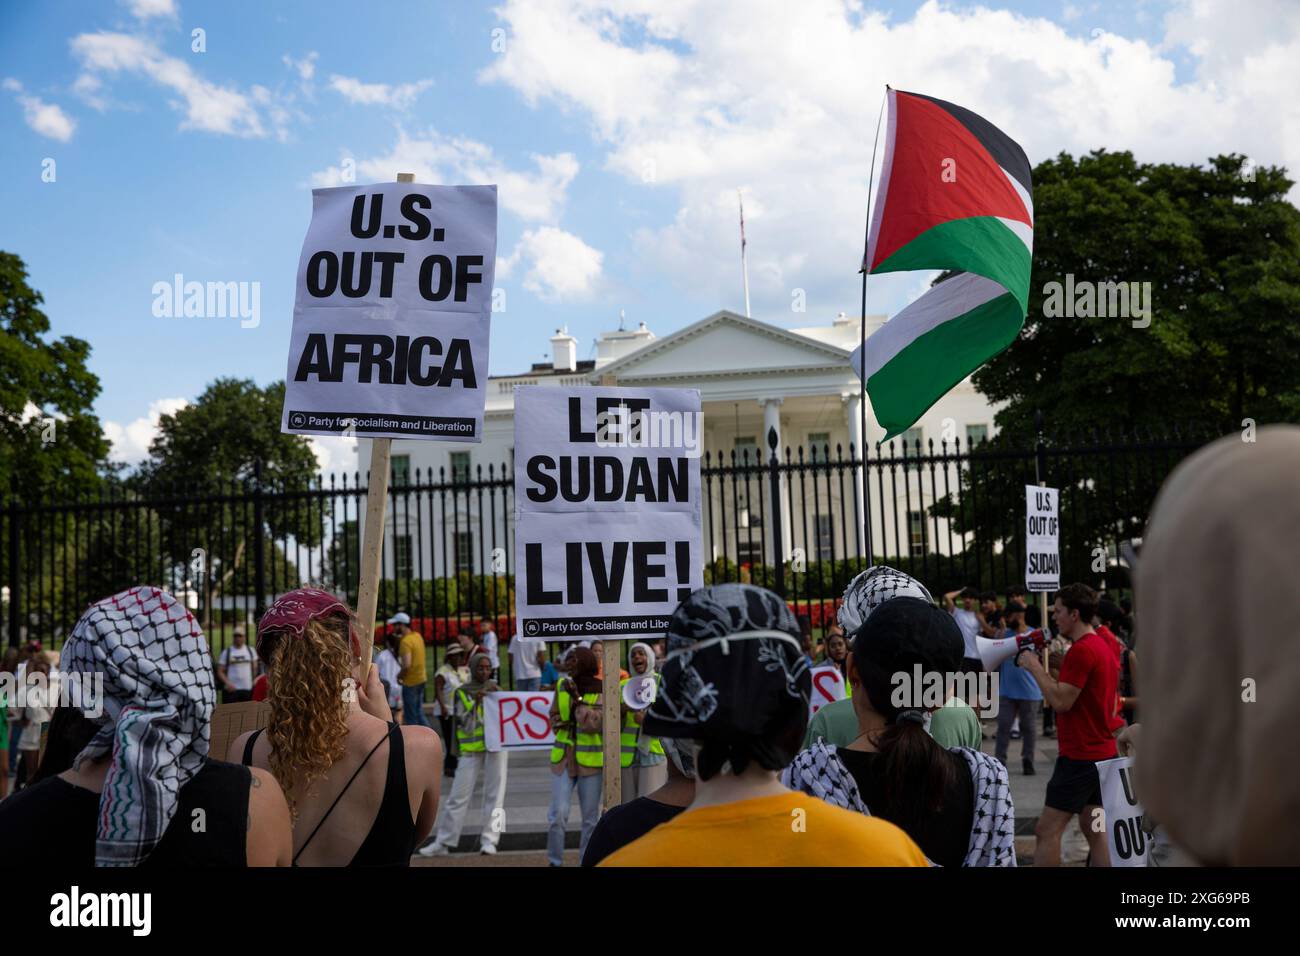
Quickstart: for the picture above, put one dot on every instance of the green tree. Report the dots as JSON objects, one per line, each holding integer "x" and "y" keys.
{"x": 212, "y": 449}
{"x": 1220, "y": 246}
{"x": 51, "y": 442}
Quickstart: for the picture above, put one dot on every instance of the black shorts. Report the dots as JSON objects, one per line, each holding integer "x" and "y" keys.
{"x": 1074, "y": 785}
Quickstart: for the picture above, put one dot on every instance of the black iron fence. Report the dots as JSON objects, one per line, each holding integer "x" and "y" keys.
{"x": 794, "y": 522}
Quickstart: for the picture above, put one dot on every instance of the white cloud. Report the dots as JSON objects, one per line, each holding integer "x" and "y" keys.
{"x": 557, "y": 264}
{"x": 334, "y": 454}
{"x": 48, "y": 119}
{"x": 146, "y": 9}
{"x": 535, "y": 195}
{"x": 207, "y": 106}
{"x": 130, "y": 442}
{"x": 378, "y": 94}
{"x": 783, "y": 102}
{"x": 306, "y": 67}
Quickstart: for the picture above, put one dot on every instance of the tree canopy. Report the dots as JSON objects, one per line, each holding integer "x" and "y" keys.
{"x": 50, "y": 440}
{"x": 1220, "y": 246}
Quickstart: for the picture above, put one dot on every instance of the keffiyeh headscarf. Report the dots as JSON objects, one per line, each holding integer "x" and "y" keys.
{"x": 735, "y": 679}
{"x": 158, "y": 700}
{"x": 872, "y": 588}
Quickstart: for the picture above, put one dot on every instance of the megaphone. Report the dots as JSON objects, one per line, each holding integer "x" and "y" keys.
{"x": 639, "y": 692}
{"x": 993, "y": 651}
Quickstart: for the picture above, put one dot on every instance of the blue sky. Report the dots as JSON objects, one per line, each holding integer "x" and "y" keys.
{"x": 618, "y": 134}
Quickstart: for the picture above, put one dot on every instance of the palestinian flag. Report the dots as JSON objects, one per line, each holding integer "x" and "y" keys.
{"x": 955, "y": 194}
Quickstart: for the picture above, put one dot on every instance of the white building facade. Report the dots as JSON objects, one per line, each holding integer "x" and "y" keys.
{"x": 752, "y": 377}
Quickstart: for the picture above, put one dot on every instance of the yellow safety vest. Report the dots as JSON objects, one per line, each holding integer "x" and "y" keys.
{"x": 631, "y": 731}
{"x": 469, "y": 743}
{"x": 589, "y": 750}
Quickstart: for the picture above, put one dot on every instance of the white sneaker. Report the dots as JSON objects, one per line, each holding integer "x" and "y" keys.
{"x": 433, "y": 849}
{"x": 487, "y": 849}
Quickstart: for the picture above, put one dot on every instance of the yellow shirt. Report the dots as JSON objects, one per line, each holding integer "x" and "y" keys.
{"x": 413, "y": 644}
{"x": 791, "y": 829}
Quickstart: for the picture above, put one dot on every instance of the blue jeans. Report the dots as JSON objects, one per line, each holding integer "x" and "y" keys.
{"x": 562, "y": 787}
{"x": 413, "y": 705}
{"x": 528, "y": 683}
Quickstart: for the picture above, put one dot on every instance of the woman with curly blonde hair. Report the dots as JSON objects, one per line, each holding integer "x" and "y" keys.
{"x": 362, "y": 790}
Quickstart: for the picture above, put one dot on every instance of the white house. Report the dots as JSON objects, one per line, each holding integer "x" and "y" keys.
{"x": 752, "y": 377}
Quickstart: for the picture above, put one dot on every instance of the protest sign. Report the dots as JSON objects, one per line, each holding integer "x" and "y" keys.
{"x": 1042, "y": 531}
{"x": 231, "y": 720}
{"x": 607, "y": 507}
{"x": 518, "y": 720}
{"x": 1124, "y": 834}
{"x": 390, "y": 320}
{"x": 827, "y": 688}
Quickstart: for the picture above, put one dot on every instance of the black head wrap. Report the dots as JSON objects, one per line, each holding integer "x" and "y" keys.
{"x": 900, "y": 636}
{"x": 744, "y": 698}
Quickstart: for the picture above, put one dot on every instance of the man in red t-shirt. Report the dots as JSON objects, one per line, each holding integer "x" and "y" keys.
{"x": 1084, "y": 700}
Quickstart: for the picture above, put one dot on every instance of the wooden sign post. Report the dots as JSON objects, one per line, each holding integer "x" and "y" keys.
{"x": 1042, "y": 603}
{"x": 611, "y": 724}
{"x": 372, "y": 545}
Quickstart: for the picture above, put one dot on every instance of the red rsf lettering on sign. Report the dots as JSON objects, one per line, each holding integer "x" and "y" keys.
{"x": 827, "y": 687}
{"x": 535, "y": 711}
{"x": 519, "y": 720}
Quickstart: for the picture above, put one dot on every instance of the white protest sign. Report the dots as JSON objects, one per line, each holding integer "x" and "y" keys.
{"x": 607, "y": 507}
{"x": 1042, "y": 533}
{"x": 827, "y": 687}
{"x": 391, "y": 315}
{"x": 1124, "y": 834}
{"x": 518, "y": 720}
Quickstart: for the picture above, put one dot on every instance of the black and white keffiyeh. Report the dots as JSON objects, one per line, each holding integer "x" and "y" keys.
{"x": 819, "y": 772}
{"x": 157, "y": 700}
{"x": 872, "y": 588}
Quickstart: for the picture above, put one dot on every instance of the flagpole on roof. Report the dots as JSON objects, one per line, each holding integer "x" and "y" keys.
{"x": 862, "y": 379}
{"x": 744, "y": 266}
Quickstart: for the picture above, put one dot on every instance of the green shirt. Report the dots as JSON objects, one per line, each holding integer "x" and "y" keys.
{"x": 952, "y": 725}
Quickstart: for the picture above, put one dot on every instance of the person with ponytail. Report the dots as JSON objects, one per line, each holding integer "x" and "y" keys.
{"x": 735, "y": 695}
{"x": 955, "y": 803}
{"x": 362, "y": 790}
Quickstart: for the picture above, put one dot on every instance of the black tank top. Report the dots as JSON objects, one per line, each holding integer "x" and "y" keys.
{"x": 57, "y": 820}
{"x": 391, "y": 839}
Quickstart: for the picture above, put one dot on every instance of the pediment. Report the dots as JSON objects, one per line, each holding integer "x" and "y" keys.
{"x": 726, "y": 343}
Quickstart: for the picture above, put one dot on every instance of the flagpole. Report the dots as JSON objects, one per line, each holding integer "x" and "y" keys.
{"x": 862, "y": 353}
{"x": 744, "y": 265}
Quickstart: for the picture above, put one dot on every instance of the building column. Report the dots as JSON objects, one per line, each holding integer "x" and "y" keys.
{"x": 772, "y": 420}
{"x": 853, "y": 414}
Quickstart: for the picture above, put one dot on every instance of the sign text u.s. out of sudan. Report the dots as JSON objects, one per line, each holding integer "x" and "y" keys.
{"x": 1042, "y": 536}
{"x": 391, "y": 315}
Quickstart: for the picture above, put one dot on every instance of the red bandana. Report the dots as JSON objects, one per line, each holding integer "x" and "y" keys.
{"x": 292, "y": 611}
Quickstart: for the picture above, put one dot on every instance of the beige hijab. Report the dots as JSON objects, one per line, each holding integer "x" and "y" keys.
{"x": 1216, "y": 590}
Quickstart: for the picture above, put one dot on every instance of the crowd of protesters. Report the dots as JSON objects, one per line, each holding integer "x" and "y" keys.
{"x": 724, "y": 766}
